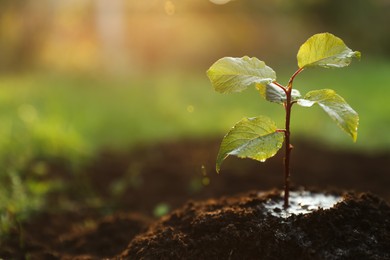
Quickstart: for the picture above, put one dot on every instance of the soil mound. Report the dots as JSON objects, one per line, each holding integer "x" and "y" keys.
{"x": 241, "y": 227}
{"x": 84, "y": 219}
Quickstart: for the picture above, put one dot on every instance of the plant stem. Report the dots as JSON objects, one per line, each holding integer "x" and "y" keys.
{"x": 288, "y": 147}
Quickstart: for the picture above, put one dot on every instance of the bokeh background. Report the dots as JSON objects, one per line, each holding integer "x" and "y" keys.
{"x": 79, "y": 76}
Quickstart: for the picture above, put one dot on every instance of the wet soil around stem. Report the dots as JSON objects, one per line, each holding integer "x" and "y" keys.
{"x": 241, "y": 227}
{"x": 111, "y": 206}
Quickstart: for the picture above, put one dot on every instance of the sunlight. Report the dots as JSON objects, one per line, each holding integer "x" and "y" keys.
{"x": 169, "y": 8}
{"x": 220, "y": 2}
{"x": 302, "y": 202}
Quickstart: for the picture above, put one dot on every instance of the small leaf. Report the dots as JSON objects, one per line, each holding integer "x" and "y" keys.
{"x": 274, "y": 93}
{"x": 336, "y": 107}
{"x": 254, "y": 138}
{"x": 325, "y": 50}
{"x": 229, "y": 75}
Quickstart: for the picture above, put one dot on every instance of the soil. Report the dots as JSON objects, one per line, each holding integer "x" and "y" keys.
{"x": 241, "y": 227}
{"x": 110, "y": 207}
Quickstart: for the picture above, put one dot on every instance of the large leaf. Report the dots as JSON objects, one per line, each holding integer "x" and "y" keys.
{"x": 336, "y": 107}
{"x": 254, "y": 138}
{"x": 274, "y": 93}
{"x": 229, "y": 74}
{"x": 325, "y": 50}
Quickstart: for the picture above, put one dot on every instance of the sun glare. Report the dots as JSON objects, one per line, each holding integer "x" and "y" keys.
{"x": 220, "y": 2}
{"x": 169, "y": 8}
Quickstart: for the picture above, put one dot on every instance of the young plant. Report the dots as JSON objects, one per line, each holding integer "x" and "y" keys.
{"x": 258, "y": 138}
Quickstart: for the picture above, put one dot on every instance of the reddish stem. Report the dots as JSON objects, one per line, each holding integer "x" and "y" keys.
{"x": 288, "y": 147}
{"x": 293, "y": 77}
{"x": 280, "y": 86}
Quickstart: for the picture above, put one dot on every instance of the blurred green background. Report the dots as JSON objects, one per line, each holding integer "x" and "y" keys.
{"x": 79, "y": 75}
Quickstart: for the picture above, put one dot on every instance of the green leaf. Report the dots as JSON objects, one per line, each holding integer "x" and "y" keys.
{"x": 254, "y": 138}
{"x": 274, "y": 93}
{"x": 229, "y": 75}
{"x": 336, "y": 107}
{"x": 325, "y": 50}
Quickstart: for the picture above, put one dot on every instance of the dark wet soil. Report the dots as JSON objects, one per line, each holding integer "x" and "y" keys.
{"x": 241, "y": 228}
{"x": 104, "y": 205}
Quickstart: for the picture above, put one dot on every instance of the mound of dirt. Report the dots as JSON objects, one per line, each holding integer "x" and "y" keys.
{"x": 105, "y": 204}
{"x": 241, "y": 227}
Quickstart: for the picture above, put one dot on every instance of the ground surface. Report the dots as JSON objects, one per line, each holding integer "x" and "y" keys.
{"x": 119, "y": 194}
{"x": 241, "y": 228}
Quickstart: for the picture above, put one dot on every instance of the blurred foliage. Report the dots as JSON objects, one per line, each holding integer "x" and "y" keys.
{"x": 361, "y": 22}
{"x": 131, "y": 37}
{"x": 23, "y": 26}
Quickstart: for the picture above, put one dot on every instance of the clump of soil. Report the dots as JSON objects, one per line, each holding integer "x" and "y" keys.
{"x": 241, "y": 227}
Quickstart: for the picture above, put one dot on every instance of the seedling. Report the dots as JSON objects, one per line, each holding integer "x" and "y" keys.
{"x": 258, "y": 138}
